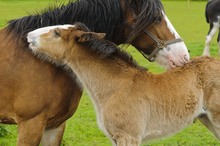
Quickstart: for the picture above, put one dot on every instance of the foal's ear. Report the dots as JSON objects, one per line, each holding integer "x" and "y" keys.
{"x": 83, "y": 37}
{"x": 99, "y": 35}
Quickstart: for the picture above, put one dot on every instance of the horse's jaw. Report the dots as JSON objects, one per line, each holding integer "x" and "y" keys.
{"x": 171, "y": 56}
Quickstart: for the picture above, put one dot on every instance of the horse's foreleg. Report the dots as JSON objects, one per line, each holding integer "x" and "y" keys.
{"x": 30, "y": 131}
{"x": 53, "y": 137}
{"x": 213, "y": 29}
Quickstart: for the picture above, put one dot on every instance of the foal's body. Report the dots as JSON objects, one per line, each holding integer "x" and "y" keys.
{"x": 141, "y": 105}
{"x": 133, "y": 105}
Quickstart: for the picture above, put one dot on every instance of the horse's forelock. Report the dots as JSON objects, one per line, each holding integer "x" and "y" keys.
{"x": 148, "y": 11}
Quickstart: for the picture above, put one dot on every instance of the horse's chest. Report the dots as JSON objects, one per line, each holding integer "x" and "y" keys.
{"x": 7, "y": 120}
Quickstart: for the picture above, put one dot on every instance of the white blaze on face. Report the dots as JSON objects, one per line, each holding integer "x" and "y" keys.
{"x": 33, "y": 36}
{"x": 177, "y": 53}
{"x": 170, "y": 26}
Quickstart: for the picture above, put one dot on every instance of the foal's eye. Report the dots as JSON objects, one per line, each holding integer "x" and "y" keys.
{"x": 56, "y": 33}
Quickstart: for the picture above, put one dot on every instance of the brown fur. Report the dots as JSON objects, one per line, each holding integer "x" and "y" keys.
{"x": 34, "y": 95}
{"x": 133, "y": 105}
{"x": 34, "y": 91}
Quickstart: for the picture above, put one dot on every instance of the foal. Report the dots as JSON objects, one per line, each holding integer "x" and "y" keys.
{"x": 133, "y": 105}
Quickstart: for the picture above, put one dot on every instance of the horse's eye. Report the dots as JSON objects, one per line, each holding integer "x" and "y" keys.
{"x": 159, "y": 19}
{"x": 56, "y": 33}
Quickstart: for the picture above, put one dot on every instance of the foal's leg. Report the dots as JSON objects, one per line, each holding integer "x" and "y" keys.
{"x": 212, "y": 103}
{"x": 30, "y": 131}
{"x": 215, "y": 120}
{"x": 213, "y": 29}
{"x": 127, "y": 142}
{"x": 124, "y": 139}
{"x": 205, "y": 121}
{"x": 53, "y": 137}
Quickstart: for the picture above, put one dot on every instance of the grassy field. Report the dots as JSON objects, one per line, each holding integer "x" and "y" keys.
{"x": 81, "y": 129}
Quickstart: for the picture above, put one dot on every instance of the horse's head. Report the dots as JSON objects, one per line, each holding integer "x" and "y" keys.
{"x": 150, "y": 31}
{"x": 57, "y": 43}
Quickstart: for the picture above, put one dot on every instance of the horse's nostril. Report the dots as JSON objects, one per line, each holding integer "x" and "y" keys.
{"x": 173, "y": 64}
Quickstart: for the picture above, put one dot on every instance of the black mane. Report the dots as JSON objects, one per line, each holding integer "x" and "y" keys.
{"x": 107, "y": 49}
{"x": 99, "y": 15}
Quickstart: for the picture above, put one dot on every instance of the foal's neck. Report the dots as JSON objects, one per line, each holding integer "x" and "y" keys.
{"x": 102, "y": 77}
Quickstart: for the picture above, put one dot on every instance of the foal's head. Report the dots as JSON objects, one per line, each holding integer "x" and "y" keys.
{"x": 55, "y": 43}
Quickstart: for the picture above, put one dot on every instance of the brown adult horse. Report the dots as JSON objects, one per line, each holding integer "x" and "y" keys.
{"x": 40, "y": 97}
{"x": 133, "y": 105}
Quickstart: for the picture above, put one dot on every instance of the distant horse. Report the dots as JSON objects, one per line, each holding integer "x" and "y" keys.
{"x": 212, "y": 14}
{"x": 133, "y": 105}
{"x": 38, "y": 96}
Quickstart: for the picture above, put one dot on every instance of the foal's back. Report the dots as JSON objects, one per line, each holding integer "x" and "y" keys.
{"x": 157, "y": 105}
{"x": 163, "y": 104}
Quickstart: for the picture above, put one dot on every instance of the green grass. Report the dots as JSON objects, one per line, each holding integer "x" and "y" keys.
{"x": 82, "y": 129}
